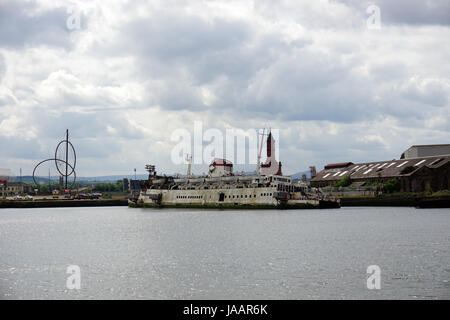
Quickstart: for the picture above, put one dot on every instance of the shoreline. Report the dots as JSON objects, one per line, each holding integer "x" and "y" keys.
{"x": 62, "y": 203}
{"x": 397, "y": 201}
{"x": 394, "y": 201}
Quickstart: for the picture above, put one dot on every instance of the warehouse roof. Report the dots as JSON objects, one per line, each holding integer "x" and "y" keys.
{"x": 338, "y": 165}
{"x": 430, "y": 145}
{"x": 381, "y": 169}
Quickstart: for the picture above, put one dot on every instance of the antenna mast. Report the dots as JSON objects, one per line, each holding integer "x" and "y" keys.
{"x": 258, "y": 165}
{"x": 189, "y": 163}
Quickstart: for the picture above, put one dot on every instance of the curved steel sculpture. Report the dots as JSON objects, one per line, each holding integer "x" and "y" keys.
{"x": 64, "y": 171}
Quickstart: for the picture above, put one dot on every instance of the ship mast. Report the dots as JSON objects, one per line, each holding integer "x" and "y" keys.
{"x": 258, "y": 165}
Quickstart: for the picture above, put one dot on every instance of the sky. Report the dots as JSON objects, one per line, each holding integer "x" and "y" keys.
{"x": 122, "y": 76}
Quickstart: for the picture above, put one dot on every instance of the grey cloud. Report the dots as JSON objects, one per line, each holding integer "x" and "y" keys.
{"x": 82, "y": 125}
{"x": 432, "y": 93}
{"x": 170, "y": 37}
{"x": 269, "y": 78}
{"x": 2, "y": 67}
{"x": 18, "y": 147}
{"x": 414, "y": 12}
{"x": 18, "y": 28}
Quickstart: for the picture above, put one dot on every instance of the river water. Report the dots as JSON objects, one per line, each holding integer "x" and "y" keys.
{"x": 126, "y": 253}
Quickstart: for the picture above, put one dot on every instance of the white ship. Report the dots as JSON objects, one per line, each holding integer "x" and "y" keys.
{"x": 221, "y": 188}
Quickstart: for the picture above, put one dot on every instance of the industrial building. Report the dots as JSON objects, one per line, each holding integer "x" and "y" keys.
{"x": 12, "y": 189}
{"x": 427, "y": 150}
{"x": 414, "y": 174}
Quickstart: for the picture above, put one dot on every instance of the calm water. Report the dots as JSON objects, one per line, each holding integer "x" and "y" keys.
{"x": 191, "y": 254}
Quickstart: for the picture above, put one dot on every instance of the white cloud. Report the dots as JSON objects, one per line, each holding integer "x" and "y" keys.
{"x": 136, "y": 71}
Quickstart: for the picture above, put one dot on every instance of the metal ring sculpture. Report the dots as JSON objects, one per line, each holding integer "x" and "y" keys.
{"x": 58, "y": 162}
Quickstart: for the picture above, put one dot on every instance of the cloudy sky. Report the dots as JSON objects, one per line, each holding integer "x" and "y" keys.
{"x": 123, "y": 75}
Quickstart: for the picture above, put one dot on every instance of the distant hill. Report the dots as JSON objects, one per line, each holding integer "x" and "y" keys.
{"x": 298, "y": 175}
{"x": 114, "y": 178}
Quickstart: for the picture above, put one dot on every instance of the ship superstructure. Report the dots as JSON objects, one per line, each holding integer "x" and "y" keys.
{"x": 221, "y": 188}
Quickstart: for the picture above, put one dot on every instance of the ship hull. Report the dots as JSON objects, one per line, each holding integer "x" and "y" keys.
{"x": 308, "y": 205}
{"x": 229, "y": 198}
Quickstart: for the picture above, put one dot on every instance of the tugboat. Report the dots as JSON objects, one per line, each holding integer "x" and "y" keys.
{"x": 268, "y": 188}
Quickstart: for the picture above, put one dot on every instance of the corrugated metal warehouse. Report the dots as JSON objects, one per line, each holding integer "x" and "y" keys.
{"x": 417, "y": 174}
